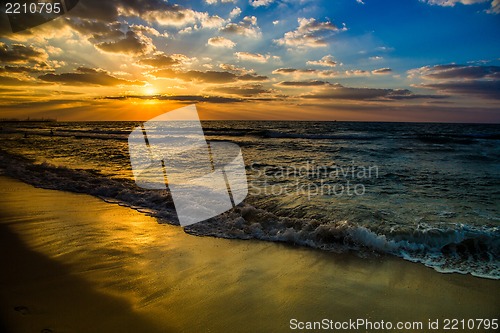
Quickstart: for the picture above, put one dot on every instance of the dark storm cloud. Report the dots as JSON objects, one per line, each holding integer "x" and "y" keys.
{"x": 88, "y": 76}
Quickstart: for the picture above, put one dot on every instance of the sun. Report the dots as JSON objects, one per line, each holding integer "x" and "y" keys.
{"x": 149, "y": 91}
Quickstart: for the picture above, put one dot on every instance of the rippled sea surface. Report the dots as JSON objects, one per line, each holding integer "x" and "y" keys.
{"x": 428, "y": 193}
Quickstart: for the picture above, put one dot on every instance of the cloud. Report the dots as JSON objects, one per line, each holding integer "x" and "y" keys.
{"x": 21, "y": 54}
{"x": 206, "y": 99}
{"x": 260, "y": 3}
{"x": 210, "y": 22}
{"x": 310, "y": 33}
{"x": 10, "y": 90}
{"x": 99, "y": 21}
{"x": 88, "y": 76}
{"x": 357, "y": 72}
{"x": 52, "y": 50}
{"x": 454, "y": 71}
{"x": 213, "y": 2}
{"x": 243, "y": 90}
{"x": 96, "y": 30}
{"x": 483, "y": 89}
{"x": 287, "y": 71}
{"x": 252, "y": 77}
{"x": 341, "y": 92}
{"x": 221, "y": 42}
{"x": 494, "y": 7}
{"x": 109, "y": 37}
{"x": 480, "y": 81}
{"x": 183, "y": 18}
{"x": 256, "y": 57}
{"x": 160, "y": 59}
{"x": 23, "y": 69}
{"x": 247, "y": 27}
{"x": 326, "y": 61}
{"x": 182, "y": 98}
{"x": 14, "y": 81}
{"x": 235, "y": 12}
{"x": 382, "y": 71}
{"x": 157, "y": 11}
{"x": 139, "y": 28}
{"x": 230, "y": 67}
{"x": 451, "y": 3}
{"x": 337, "y": 91}
{"x": 162, "y": 14}
{"x": 188, "y": 30}
{"x": 133, "y": 44}
{"x": 207, "y": 76}
{"x": 307, "y": 72}
{"x": 299, "y": 84}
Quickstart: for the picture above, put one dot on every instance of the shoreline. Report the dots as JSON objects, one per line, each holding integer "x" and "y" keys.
{"x": 128, "y": 195}
{"x": 130, "y": 273}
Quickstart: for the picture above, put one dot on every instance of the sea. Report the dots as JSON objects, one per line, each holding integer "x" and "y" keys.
{"x": 425, "y": 192}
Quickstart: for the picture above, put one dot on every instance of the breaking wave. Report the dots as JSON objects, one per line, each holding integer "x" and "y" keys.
{"x": 455, "y": 248}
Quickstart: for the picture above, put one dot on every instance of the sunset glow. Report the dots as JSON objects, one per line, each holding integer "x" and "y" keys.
{"x": 307, "y": 60}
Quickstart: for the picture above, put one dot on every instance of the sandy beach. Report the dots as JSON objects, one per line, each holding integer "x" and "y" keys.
{"x": 73, "y": 263}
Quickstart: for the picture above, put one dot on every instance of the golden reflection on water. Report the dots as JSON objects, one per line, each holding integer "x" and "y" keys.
{"x": 196, "y": 284}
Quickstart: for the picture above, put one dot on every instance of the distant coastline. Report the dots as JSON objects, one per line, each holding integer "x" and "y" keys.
{"x": 28, "y": 120}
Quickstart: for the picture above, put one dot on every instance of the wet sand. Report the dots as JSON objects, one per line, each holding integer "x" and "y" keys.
{"x": 73, "y": 263}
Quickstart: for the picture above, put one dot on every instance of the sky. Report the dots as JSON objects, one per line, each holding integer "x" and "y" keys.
{"x": 351, "y": 60}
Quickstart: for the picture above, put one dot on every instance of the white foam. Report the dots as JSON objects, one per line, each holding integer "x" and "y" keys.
{"x": 457, "y": 248}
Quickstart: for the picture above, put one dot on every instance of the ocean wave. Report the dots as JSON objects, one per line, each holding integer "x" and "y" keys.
{"x": 452, "y": 248}
{"x": 68, "y": 133}
{"x": 290, "y": 135}
{"x": 457, "y": 248}
{"x": 91, "y": 182}
{"x": 444, "y": 139}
